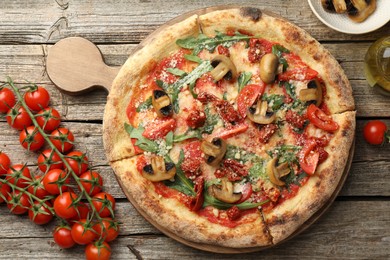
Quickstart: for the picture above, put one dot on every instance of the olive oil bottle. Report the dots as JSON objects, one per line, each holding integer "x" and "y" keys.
{"x": 377, "y": 65}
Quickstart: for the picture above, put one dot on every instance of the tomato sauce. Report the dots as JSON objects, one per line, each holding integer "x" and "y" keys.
{"x": 167, "y": 192}
{"x": 222, "y": 218}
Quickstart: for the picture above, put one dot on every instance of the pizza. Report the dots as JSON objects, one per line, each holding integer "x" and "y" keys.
{"x": 230, "y": 128}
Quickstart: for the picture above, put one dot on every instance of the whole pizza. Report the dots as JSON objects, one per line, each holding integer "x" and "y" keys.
{"x": 230, "y": 128}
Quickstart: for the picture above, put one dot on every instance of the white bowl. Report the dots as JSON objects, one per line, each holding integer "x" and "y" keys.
{"x": 341, "y": 22}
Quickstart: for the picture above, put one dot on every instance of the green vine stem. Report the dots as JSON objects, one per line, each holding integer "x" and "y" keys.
{"x": 52, "y": 146}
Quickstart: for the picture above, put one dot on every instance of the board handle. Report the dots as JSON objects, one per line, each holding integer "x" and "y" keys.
{"x": 75, "y": 65}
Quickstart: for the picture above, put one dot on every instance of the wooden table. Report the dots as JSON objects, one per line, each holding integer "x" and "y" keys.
{"x": 356, "y": 226}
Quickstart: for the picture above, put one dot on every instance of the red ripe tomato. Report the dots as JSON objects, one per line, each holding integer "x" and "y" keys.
{"x": 308, "y": 158}
{"x": 7, "y": 99}
{"x": 19, "y": 175}
{"x": 321, "y": 120}
{"x": 375, "y": 132}
{"x": 18, "y": 203}
{"x": 103, "y": 202}
{"x": 4, "y": 163}
{"x": 37, "y": 98}
{"x": 55, "y": 181}
{"x": 78, "y": 161}
{"x": 31, "y": 139}
{"x": 63, "y": 237}
{"x": 62, "y": 138}
{"x": 49, "y": 160}
{"x": 107, "y": 229}
{"x": 92, "y": 182}
{"x": 159, "y": 128}
{"x": 64, "y": 205}
{"x": 48, "y": 119}
{"x": 37, "y": 189}
{"x": 39, "y": 214}
{"x": 98, "y": 251}
{"x": 4, "y": 190}
{"x": 18, "y": 118}
{"x": 247, "y": 97}
{"x": 82, "y": 212}
{"x": 246, "y": 192}
{"x": 82, "y": 232}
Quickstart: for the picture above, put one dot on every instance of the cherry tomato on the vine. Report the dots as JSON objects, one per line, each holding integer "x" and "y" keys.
{"x": 82, "y": 232}
{"x": 49, "y": 160}
{"x": 64, "y": 205}
{"x": 103, "y": 202}
{"x": 98, "y": 251}
{"x": 78, "y": 161}
{"x": 48, "y": 119}
{"x": 4, "y": 190}
{"x": 92, "y": 182}
{"x": 19, "y": 175}
{"x": 31, "y": 139}
{"x": 7, "y": 99}
{"x": 107, "y": 229}
{"x": 39, "y": 214}
{"x": 18, "y": 118}
{"x": 62, "y": 138}
{"x": 37, "y": 98}
{"x": 375, "y": 132}
{"x": 55, "y": 181}
{"x": 37, "y": 189}
{"x": 4, "y": 163}
{"x": 18, "y": 203}
{"x": 82, "y": 212}
{"x": 63, "y": 237}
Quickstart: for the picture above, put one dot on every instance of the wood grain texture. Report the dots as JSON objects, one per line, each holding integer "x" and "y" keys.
{"x": 348, "y": 238}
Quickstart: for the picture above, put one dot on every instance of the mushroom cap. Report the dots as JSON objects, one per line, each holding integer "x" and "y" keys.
{"x": 225, "y": 192}
{"x": 161, "y": 103}
{"x": 158, "y": 170}
{"x": 214, "y": 150}
{"x": 268, "y": 67}
{"x": 223, "y": 67}
{"x": 276, "y": 172}
{"x": 261, "y": 116}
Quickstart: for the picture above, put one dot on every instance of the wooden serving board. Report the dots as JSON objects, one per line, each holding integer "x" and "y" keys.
{"x": 76, "y": 66}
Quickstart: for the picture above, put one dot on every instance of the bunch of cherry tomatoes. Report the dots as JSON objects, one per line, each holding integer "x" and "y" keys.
{"x": 65, "y": 180}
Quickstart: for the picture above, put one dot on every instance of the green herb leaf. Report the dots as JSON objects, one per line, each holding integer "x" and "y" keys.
{"x": 243, "y": 80}
{"x": 193, "y": 58}
{"x": 286, "y": 153}
{"x": 191, "y": 88}
{"x": 245, "y": 156}
{"x": 278, "y": 50}
{"x": 257, "y": 171}
{"x": 188, "y": 135}
{"x": 276, "y": 101}
{"x": 144, "y": 143}
{"x": 211, "y": 121}
{"x": 169, "y": 139}
{"x": 144, "y": 105}
{"x": 177, "y": 72}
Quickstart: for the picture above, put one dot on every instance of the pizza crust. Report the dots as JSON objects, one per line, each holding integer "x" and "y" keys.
{"x": 290, "y": 215}
{"x": 172, "y": 217}
{"x": 116, "y": 140}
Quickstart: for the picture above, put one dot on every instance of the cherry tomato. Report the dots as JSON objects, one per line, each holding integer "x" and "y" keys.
{"x": 107, "y": 229}
{"x": 82, "y": 212}
{"x": 49, "y": 160}
{"x": 37, "y": 99}
{"x": 78, "y": 161}
{"x": 19, "y": 175}
{"x": 4, "y": 163}
{"x": 232, "y": 130}
{"x": 375, "y": 132}
{"x": 18, "y": 118}
{"x": 63, "y": 237}
{"x": 247, "y": 97}
{"x": 55, "y": 181}
{"x": 318, "y": 118}
{"x": 159, "y": 128}
{"x": 103, "y": 201}
{"x": 4, "y": 190}
{"x": 308, "y": 158}
{"x": 37, "y": 189}
{"x": 62, "y": 138}
{"x": 92, "y": 182}
{"x": 7, "y": 100}
{"x": 48, "y": 119}
{"x": 39, "y": 214}
{"x": 18, "y": 203}
{"x": 98, "y": 251}
{"x": 82, "y": 232}
{"x": 64, "y": 205}
{"x": 31, "y": 139}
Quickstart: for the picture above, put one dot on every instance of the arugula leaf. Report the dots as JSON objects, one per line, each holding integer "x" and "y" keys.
{"x": 145, "y": 105}
{"x": 277, "y": 101}
{"x": 257, "y": 171}
{"x": 211, "y": 121}
{"x": 169, "y": 139}
{"x": 144, "y": 143}
{"x": 245, "y": 156}
{"x": 278, "y": 50}
{"x": 203, "y": 42}
{"x": 286, "y": 153}
{"x": 191, "y": 88}
{"x": 177, "y": 72}
{"x": 187, "y": 135}
{"x": 243, "y": 80}
{"x": 291, "y": 178}
{"x": 193, "y": 58}
{"x": 290, "y": 89}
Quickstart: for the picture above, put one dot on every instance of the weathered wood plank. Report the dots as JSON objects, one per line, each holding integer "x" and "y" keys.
{"x": 340, "y": 233}
{"x": 131, "y": 20}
